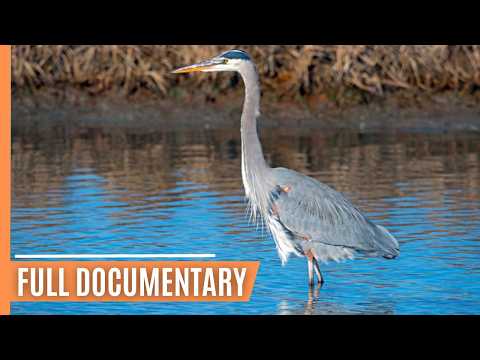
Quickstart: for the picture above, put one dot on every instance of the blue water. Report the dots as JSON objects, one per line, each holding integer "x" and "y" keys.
{"x": 101, "y": 191}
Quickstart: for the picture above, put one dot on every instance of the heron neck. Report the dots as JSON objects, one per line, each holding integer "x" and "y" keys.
{"x": 254, "y": 167}
{"x": 252, "y": 154}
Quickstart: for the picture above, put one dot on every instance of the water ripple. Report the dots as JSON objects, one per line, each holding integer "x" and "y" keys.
{"x": 181, "y": 191}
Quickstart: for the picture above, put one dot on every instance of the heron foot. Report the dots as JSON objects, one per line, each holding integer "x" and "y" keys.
{"x": 319, "y": 282}
{"x": 312, "y": 283}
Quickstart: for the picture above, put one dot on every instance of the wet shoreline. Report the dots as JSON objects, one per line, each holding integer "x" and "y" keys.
{"x": 444, "y": 115}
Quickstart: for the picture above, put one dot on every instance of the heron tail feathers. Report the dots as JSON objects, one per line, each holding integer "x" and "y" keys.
{"x": 389, "y": 244}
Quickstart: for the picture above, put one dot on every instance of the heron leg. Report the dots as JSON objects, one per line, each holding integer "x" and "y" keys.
{"x": 310, "y": 272}
{"x": 317, "y": 271}
{"x": 310, "y": 258}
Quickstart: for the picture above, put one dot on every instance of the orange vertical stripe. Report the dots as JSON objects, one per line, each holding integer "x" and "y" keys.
{"x": 5, "y": 144}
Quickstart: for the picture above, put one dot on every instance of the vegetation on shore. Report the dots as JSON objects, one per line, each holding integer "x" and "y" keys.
{"x": 335, "y": 73}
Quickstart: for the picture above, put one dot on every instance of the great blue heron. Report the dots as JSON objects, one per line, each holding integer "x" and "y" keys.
{"x": 305, "y": 216}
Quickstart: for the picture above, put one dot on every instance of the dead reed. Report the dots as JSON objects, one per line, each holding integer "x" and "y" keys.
{"x": 287, "y": 72}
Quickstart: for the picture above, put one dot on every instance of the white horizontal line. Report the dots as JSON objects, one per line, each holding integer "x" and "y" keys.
{"x": 111, "y": 256}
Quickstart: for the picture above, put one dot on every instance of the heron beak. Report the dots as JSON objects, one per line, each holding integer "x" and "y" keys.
{"x": 202, "y": 66}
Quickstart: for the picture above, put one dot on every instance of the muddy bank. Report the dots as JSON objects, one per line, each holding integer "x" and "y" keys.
{"x": 440, "y": 114}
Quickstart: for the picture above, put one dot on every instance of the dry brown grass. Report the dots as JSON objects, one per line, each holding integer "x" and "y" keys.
{"x": 287, "y": 72}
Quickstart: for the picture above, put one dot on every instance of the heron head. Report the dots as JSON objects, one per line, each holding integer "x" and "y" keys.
{"x": 230, "y": 60}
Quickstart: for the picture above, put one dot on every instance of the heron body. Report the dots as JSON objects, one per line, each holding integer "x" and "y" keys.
{"x": 305, "y": 217}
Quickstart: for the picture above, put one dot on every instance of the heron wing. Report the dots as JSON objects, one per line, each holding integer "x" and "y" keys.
{"x": 316, "y": 211}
